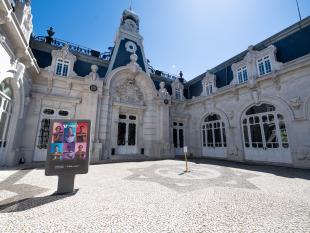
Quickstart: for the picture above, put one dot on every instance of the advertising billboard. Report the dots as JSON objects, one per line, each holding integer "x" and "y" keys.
{"x": 68, "y": 148}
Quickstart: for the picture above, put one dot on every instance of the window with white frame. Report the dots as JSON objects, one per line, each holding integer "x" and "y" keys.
{"x": 264, "y": 65}
{"x": 213, "y": 132}
{"x": 242, "y": 74}
{"x": 62, "y": 67}
{"x": 208, "y": 89}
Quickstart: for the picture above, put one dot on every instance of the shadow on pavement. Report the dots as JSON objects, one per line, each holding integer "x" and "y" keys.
{"x": 29, "y": 203}
{"x": 25, "y": 194}
{"x": 288, "y": 172}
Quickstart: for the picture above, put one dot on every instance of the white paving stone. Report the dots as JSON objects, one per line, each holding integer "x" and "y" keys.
{"x": 117, "y": 198}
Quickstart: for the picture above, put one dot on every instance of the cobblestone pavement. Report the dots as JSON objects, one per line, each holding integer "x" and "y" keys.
{"x": 159, "y": 197}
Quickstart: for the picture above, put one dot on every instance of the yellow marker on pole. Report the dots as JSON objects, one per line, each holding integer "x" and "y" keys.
{"x": 185, "y": 155}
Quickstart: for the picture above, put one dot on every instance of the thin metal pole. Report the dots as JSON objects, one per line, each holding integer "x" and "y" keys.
{"x": 130, "y": 5}
{"x": 298, "y": 10}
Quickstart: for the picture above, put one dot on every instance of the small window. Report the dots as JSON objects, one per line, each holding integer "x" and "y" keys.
{"x": 62, "y": 67}
{"x": 264, "y": 66}
{"x": 48, "y": 111}
{"x": 131, "y": 117}
{"x": 242, "y": 74}
{"x": 63, "y": 113}
{"x": 122, "y": 116}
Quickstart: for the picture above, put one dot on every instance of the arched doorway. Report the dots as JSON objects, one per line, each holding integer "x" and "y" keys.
{"x": 6, "y": 109}
{"x": 264, "y": 134}
{"x": 213, "y": 133}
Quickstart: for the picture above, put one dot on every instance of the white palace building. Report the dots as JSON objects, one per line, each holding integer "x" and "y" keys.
{"x": 254, "y": 107}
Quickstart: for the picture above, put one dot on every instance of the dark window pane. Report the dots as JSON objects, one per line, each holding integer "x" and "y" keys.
{"x": 245, "y": 133}
{"x": 175, "y": 138}
{"x": 48, "y": 111}
{"x": 121, "y": 134}
{"x": 181, "y": 138}
{"x": 63, "y": 113}
{"x": 122, "y": 116}
{"x": 132, "y": 134}
{"x": 260, "y": 109}
{"x": 210, "y": 138}
{"x": 204, "y": 138}
{"x": 256, "y": 134}
{"x": 283, "y": 133}
{"x": 43, "y": 133}
{"x": 224, "y": 137}
{"x": 213, "y": 117}
{"x": 132, "y": 117}
{"x": 218, "y": 139}
{"x": 270, "y": 133}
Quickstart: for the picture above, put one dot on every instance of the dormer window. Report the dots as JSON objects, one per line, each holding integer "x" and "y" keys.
{"x": 264, "y": 66}
{"x": 209, "y": 89}
{"x": 177, "y": 94}
{"x": 62, "y": 67}
{"x": 208, "y": 84}
{"x": 177, "y": 89}
{"x": 242, "y": 74}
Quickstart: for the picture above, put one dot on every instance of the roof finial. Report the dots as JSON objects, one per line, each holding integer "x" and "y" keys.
{"x": 130, "y": 8}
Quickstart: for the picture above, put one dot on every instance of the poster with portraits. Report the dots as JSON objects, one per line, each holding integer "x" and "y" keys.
{"x": 68, "y": 150}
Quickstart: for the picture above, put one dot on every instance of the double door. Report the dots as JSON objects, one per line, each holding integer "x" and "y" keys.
{"x": 178, "y": 138}
{"x": 127, "y": 134}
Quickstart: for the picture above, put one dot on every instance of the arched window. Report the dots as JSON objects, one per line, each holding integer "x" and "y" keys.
{"x": 264, "y": 127}
{"x": 213, "y": 132}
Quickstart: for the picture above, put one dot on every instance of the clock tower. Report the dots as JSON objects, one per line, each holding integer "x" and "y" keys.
{"x": 128, "y": 41}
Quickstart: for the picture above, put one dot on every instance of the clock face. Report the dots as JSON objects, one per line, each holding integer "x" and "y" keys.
{"x": 166, "y": 101}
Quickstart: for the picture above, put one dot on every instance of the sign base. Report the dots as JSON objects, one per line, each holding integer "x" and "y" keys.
{"x": 65, "y": 184}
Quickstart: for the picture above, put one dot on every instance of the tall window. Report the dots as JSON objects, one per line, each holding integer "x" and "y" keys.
{"x": 178, "y": 134}
{"x": 264, "y": 128}
{"x": 264, "y": 66}
{"x": 242, "y": 74}
{"x": 213, "y": 132}
{"x": 177, "y": 94}
{"x": 62, "y": 67}
{"x": 209, "y": 89}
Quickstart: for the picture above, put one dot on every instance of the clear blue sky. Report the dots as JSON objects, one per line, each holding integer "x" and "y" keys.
{"x": 187, "y": 35}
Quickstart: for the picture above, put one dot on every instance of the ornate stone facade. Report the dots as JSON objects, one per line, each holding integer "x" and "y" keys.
{"x": 253, "y": 107}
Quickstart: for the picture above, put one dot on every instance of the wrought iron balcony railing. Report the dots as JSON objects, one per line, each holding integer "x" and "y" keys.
{"x": 74, "y": 47}
{"x": 164, "y": 74}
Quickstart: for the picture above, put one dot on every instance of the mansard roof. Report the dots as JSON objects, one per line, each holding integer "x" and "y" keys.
{"x": 85, "y": 57}
{"x": 291, "y": 43}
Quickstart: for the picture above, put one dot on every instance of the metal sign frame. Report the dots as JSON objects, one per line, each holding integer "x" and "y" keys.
{"x": 76, "y": 161}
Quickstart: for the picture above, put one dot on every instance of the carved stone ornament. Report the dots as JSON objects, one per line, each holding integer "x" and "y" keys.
{"x": 296, "y": 102}
{"x": 129, "y": 92}
{"x": 93, "y": 75}
{"x": 163, "y": 91}
{"x": 303, "y": 153}
{"x": 133, "y": 65}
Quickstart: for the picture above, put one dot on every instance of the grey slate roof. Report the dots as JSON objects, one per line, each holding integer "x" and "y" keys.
{"x": 291, "y": 43}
